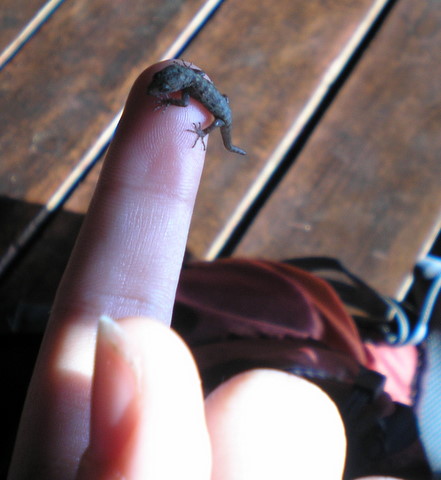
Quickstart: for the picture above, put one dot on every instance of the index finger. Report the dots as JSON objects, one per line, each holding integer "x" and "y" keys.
{"x": 126, "y": 262}
{"x": 128, "y": 257}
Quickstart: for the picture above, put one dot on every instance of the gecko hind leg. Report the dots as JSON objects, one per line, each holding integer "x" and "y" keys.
{"x": 197, "y": 129}
{"x": 202, "y": 132}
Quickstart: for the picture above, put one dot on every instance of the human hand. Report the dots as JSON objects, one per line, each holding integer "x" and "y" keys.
{"x": 148, "y": 417}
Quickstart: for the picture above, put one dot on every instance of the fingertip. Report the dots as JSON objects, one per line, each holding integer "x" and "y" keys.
{"x": 154, "y": 338}
{"x": 173, "y": 433}
{"x": 300, "y": 423}
{"x": 154, "y": 147}
{"x": 169, "y": 125}
{"x": 147, "y": 407}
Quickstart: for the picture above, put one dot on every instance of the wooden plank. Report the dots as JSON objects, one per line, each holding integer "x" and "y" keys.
{"x": 69, "y": 82}
{"x": 14, "y": 15}
{"x": 312, "y": 33}
{"x": 240, "y": 49}
{"x": 367, "y": 188}
{"x": 269, "y": 57}
{"x": 251, "y": 67}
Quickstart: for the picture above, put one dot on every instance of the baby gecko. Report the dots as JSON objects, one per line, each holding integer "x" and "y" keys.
{"x": 193, "y": 83}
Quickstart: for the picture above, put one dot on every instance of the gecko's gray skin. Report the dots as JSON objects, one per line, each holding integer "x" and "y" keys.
{"x": 192, "y": 83}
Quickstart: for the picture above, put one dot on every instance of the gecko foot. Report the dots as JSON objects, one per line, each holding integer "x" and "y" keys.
{"x": 200, "y": 134}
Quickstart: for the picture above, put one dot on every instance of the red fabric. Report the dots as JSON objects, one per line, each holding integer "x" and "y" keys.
{"x": 240, "y": 314}
{"x": 398, "y": 365}
{"x": 256, "y": 298}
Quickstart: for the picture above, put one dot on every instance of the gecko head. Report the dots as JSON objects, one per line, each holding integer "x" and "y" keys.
{"x": 170, "y": 79}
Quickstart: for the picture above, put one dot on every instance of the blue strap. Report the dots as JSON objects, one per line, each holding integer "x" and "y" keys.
{"x": 431, "y": 270}
{"x": 398, "y": 323}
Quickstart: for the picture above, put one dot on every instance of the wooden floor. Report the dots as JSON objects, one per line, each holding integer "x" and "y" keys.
{"x": 338, "y": 104}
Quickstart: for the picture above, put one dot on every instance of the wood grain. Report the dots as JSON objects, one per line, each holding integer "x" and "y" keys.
{"x": 268, "y": 57}
{"x": 15, "y": 14}
{"x": 68, "y": 83}
{"x": 367, "y": 188}
{"x": 61, "y": 92}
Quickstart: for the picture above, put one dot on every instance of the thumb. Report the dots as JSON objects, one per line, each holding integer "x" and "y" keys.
{"x": 147, "y": 417}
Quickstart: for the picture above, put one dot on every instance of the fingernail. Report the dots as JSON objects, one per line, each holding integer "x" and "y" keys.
{"x": 115, "y": 407}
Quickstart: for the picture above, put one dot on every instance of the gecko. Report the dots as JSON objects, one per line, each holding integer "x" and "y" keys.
{"x": 192, "y": 83}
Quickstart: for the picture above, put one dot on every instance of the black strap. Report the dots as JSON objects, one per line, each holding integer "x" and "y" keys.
{"x": 376, "y": 315}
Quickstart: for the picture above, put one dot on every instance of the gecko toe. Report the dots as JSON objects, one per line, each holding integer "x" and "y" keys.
{"x": 200, "y": 134}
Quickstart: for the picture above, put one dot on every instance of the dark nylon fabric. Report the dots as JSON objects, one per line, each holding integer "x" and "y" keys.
{"x": 240, "y": 314}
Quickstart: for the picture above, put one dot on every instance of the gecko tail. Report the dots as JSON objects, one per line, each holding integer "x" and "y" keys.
{"x": 234, "y": 149}
{"x": 226, "y": 138}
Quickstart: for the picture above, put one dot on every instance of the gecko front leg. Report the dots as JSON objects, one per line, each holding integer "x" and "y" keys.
{"x": 184, "y": 101}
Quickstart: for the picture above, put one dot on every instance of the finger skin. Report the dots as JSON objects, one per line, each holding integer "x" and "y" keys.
{"x": 148, "y": 421}
{"x": 126, "y": 262}
{"x": 271, "y": 424}
{"x": 128, "y": 256}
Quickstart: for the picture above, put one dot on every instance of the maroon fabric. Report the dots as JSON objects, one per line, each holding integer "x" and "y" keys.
{"x": 252, "y": 299}
{"x": 240, "y": 314}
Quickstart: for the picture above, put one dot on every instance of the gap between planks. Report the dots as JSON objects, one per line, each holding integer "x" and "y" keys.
{"x": 94, "y": 153}
{"x": 330, "y": 79}
{"x": 233, "y": 230}
{"x": 28, "y": 31}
